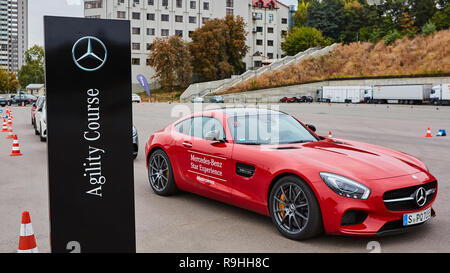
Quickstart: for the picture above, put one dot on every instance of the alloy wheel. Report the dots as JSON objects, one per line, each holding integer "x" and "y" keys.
{"x": 159, "y": 172}
{"x": 291, "y": 208}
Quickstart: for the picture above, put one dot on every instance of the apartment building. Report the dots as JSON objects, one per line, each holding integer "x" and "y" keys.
{"x": 266, "y": 22}
{"x": 13, "y": 33}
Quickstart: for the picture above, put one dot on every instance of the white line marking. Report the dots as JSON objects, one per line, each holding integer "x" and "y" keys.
{"x": 207, "y": 155}
{"x": 207, "y": 176}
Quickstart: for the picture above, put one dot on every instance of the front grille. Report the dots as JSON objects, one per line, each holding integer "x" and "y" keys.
{"x": 404, "y": 199}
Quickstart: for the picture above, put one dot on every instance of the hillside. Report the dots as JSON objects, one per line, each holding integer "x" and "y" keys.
{"x": 421, "y": 55}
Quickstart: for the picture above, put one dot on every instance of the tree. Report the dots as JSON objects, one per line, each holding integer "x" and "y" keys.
{"x": 236, "y": 47}
{"x": 35, "y": 55}
{"x": 353, "y": 21}
{"x": 8, "y": 81}
{"x": 429, "y": 28}
{"x": 302, "y": 38}
{"x": 33, "y": 71}
{"x": 442, "y": 17}
{"x": 301, "y": 15}
{"x": 327, "y": 16}
{"x": 172, "y": 62}
{"x": 422, "y": 11}
{"x": 218, "y": 48}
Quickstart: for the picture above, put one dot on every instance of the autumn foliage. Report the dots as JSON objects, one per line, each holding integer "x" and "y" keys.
{"x": 218, "y": 48}
{"x": 422, "y": 55}
{"x": 172, "y": 62}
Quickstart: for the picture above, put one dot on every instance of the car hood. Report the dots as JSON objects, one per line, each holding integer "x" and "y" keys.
{"x": 357, "y": 160}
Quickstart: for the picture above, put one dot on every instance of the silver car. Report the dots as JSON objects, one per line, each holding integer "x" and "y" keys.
{"x": 198, "y": 100}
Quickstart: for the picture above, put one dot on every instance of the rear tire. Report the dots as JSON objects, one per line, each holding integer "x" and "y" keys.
{"x": 36, "y": 132}
{"x": 160, "y": 174}
{"x": 42, "y": 138}
{"x": 294, "y": 209}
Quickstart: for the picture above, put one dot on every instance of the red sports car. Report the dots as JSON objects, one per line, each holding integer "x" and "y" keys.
{"x": 289, "y": 100}
{"x": 271, "y": 163}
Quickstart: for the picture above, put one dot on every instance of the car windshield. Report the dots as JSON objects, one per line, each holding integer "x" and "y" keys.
{"x": 268, "y": 129}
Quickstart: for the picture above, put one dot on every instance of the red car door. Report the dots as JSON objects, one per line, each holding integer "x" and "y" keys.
{"x": 206, "y": 165}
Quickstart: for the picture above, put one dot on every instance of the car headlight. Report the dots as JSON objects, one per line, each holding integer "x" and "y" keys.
{"x": 345, "y": 186}
{"x": 134, "y": 131}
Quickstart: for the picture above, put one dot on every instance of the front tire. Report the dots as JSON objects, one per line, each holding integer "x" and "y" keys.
{"x": 160, "y": 174}
{"x": 294, "y": 209}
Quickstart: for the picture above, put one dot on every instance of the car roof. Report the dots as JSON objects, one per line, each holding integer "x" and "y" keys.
{"x": 236, "y": 112}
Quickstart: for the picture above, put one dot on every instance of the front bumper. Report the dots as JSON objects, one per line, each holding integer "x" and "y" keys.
{"x": 372, "y": 215}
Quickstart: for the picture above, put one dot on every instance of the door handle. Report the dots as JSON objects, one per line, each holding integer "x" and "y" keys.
{"x": 187, "y": 144}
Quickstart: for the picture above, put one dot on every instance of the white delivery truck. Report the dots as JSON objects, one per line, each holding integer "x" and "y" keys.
{"x": 342, "y": 94}
{"x": 401, "y": 94}
{"x": 440, "y": 94}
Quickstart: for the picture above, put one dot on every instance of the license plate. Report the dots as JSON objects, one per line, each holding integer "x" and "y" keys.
{"x": 417, "y": 217}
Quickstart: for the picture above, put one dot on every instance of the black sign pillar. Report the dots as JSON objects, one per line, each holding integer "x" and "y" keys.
{"x": 89, "y": 121}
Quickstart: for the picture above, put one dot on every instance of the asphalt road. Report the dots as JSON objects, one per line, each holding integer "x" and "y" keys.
{"x": 189, "y": 223}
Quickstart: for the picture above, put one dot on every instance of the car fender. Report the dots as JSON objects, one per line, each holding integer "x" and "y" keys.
{"x": 286, "y": 172}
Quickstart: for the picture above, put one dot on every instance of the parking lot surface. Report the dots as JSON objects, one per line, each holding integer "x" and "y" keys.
{"x": 189, "y": 223}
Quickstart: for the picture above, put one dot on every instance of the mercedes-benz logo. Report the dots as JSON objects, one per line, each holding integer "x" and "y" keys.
{"x": 421, "y": 197}
{"x": 89, "y": 53}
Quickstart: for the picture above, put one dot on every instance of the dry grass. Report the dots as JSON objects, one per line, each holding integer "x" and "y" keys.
{"x": 161, "y": 96}
{"x": 422, "y": 55}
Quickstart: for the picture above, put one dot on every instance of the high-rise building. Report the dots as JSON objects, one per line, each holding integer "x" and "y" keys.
{"x": 266, "y": 23}
{"x": 13, "y": 33}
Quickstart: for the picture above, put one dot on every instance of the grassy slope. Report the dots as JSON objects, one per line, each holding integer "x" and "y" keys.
{"x": 162, "y": 95}
{"x": 421, "y": 55}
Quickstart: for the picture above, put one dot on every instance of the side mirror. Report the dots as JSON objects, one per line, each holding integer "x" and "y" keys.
{"x": 213, "y": 136}
{"x": 311, "y": 127}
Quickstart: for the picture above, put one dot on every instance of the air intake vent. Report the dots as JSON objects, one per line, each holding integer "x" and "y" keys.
{"x": 286, "y": 148}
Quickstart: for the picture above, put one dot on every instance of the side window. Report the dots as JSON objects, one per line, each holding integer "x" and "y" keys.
{"x": 203, "y": 125}
{"x": 184, "y": 127}
{"x": 213, "y": 124}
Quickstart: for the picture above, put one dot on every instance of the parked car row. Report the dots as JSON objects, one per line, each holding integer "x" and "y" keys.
{"x": 39, "y": 122}
{"x": 39, "y": 118}
{"x": 213, "y": 99}
{"x": 297, "y": 99}
{"x": 18, "y": 99}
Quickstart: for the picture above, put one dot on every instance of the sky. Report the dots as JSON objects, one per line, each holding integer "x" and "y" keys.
{"x": 74, "y": 8}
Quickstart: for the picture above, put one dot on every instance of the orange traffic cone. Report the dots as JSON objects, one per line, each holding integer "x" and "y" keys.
{"x": 27, "y": 241}
{"x": 330, "y": 135}
{"x": 5, "y": 126}
{"x": 9, "y": 121}
{"x": 428, "y": 133}
{"x": 15, "y": 147}
{"x": 10, "y": 133}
